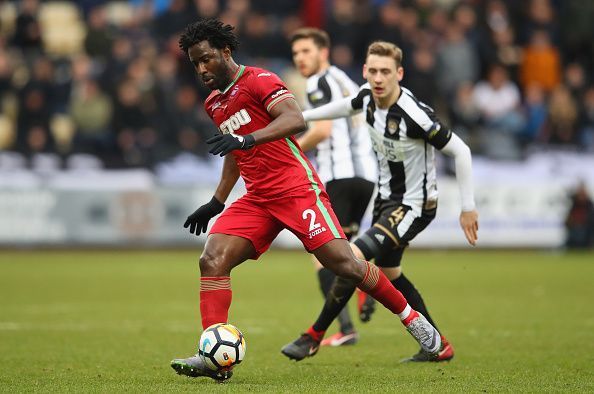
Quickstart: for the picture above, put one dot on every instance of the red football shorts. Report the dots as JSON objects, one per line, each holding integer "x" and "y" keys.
{"x": 309, "y": 216}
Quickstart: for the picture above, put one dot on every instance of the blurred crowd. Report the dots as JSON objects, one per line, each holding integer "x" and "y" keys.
{"x": 106, "y": 79}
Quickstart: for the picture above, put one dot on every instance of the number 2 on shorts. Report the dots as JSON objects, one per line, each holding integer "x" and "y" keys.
{"x": 312, "y": 218}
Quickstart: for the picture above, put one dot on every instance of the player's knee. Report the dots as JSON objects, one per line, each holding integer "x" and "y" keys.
{"x": 392, "y": 273}
{"x": 349, "y": 268}
{"x": 212, "y": 265}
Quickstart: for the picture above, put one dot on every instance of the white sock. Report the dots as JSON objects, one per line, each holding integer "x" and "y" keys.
{"x": 404, "y": 314}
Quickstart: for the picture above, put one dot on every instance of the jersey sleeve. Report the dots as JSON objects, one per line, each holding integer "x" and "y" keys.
{"x": 270, "y": 89}
{"x": 428, "y": 126}
{"x": 318, "y": 91}
{"x": 357, "y": 101}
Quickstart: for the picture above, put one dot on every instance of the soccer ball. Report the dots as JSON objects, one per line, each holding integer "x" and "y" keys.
{"x": 222, "y": 346}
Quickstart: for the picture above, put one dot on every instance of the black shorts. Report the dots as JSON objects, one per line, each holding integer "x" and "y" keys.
{"x": 350, "y": 198}
{"x": 394, "y": 226}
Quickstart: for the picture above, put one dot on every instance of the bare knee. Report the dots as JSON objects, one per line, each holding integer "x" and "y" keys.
{"x": 213, "y": 264}
{"x": 347, "y": 266}
{"x": 338, "y": 257}
{"x": 391, "y": 272}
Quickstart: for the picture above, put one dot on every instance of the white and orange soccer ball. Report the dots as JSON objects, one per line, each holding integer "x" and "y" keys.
{"x": 222, "y": 346}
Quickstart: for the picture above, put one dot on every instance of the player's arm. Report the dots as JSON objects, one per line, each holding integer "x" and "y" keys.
{"x": 317, "y": 132}
{"x": 457, "y": 149}
{"x": 333, "y": 110}
{"x": 287, "y": 120}
{"x": 198, "y": 221}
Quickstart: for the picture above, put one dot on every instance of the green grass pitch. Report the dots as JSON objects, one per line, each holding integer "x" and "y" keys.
{"x": 110, "y": 321}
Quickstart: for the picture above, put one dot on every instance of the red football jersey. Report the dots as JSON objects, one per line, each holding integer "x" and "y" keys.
{"x": 274, "y": 169}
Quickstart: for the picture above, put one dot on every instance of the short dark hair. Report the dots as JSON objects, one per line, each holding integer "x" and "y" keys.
{"x": 319, "y": 37}
{"x": 217, "y": 34}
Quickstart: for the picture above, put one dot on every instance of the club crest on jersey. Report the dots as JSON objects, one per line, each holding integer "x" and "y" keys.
{"x": 234, "y": 91}
{"x": 235, "y": 121}
{"x": 316, "y": 96}
{"x": 392, "y": 126}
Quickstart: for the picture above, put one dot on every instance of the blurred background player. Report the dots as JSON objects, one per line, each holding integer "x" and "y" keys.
{"x": 257, "y": 117}
{"x": 404, "y": 132}
{"x": 344, "y": 157}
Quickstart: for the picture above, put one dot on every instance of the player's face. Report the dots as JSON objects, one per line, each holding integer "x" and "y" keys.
{"x": 211, "y": 65}
{"x": 307, "y": 56}
{"x": 383, "y": 75}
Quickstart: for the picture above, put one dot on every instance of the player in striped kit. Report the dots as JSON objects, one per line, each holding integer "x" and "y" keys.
{"x": 257, "y": 117}
{"x": 405, "y": 134}
{"x": 344, "y": 157}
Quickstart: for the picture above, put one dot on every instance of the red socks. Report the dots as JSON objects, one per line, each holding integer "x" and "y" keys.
{"x": 215, "y": 299}
{"x": 379, "y": 287}
{"x": 316, "y": 335}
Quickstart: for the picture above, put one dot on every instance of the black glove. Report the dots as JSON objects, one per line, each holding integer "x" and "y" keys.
{"x": 199, "y": 219}
{"x": 225, "y": 143}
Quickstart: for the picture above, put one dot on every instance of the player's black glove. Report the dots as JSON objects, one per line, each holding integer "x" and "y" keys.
{"x": 225, "y": 143}
{"x": 200, "y": 218}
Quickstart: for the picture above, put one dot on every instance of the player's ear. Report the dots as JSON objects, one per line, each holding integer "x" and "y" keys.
{"x": 400, "y": 73}
{"x": 226, "y": 53}
{"x": 364, "y": 71}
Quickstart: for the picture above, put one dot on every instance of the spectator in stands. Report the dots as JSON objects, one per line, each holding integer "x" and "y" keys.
{"x": 587, "y": 121}
{"x": 562, "y": 122}
{"x": 192, "y": 127}
{"x": 27, "y": 33}
{"x": 579, "y": 222}
{"x": 136, "y": 137}
{"x": 541, "y": 17}
{"x": 33, "y": 111}
{"x": 91, "y": 110}
{"x": 172, "y": 21}
{"x": 466, "y": 116}
{"x": 387, "y": 22}
{"x": 535, "y": 113}
{"x": 575, "y": 79}
{"x": 6, "y": 74}
{"x": 122, "y": 53}
{"x": 99, "y": 38}
{"x": 420, "y": 78}
{"x": 541, "y": 62}
{"x": 456, "y": 61}
{"x": 453, "y": 53}
{"x": 498, "y": 101}
{"x": 35, "y": 140}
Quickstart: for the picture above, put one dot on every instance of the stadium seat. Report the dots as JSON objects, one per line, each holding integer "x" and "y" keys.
{"x": 83, "y": 162}
{"x": 63, "y": 30}
{"x": 12, "y": 161}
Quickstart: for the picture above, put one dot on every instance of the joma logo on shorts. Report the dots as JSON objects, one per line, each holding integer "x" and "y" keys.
{"x": 235, "y": 121}
{"x": 316, "y": 232}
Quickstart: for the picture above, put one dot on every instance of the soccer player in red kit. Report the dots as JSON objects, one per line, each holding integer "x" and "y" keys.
{"x": 257, "y": 117}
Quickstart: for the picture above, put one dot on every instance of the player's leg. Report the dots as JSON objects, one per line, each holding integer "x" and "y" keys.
{"x": 363, "y": 193}
{"x": 243, "y": 231}
{"x": 221, "y": 254}
{"x": 387, "y": 241}
{"x": 347, "y": 335}
{"x": 338, "y": 256}
{"x": 343, "y": 194}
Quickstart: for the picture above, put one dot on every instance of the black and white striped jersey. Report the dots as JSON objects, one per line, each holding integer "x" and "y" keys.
{"x": 404, "y": 137}
{"x": 348, "y": 152}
